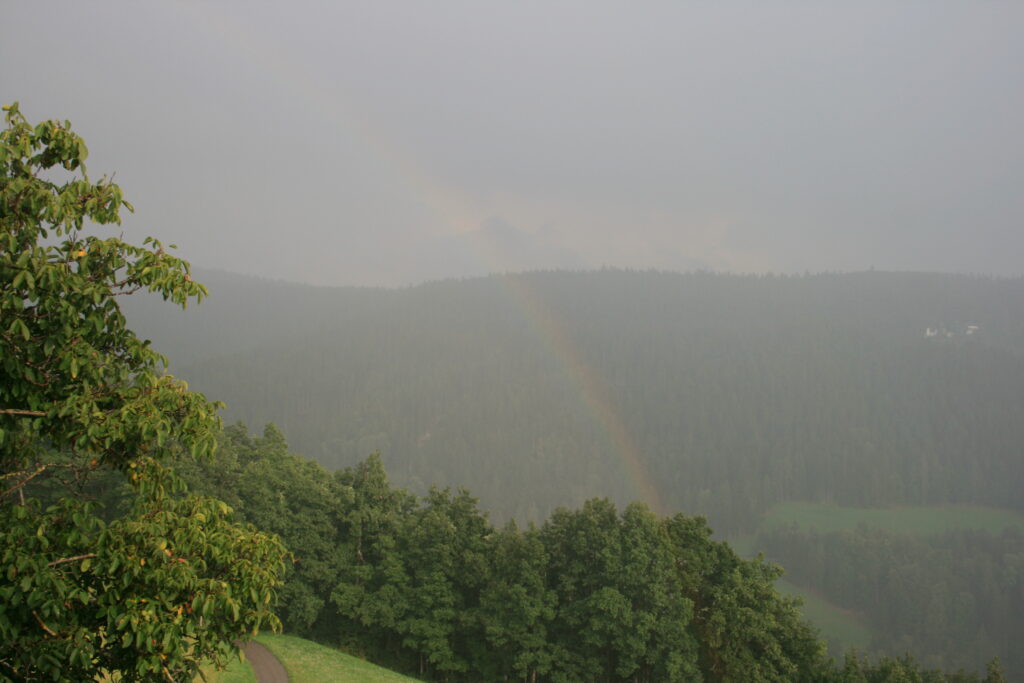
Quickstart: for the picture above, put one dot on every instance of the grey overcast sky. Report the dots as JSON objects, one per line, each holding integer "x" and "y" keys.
{"x": 387, "y": 142}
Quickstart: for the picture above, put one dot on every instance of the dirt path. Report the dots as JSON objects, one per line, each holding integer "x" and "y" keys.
{"x": 264, "y": 664}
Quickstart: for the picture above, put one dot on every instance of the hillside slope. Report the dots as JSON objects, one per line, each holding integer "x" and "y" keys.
{"x": 711, "y": 394}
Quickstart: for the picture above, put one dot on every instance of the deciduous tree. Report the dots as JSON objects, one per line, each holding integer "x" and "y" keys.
{"x": 174, "y": 581}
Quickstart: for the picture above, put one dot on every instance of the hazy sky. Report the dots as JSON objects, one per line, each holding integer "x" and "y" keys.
{"x": 387, "y": 142}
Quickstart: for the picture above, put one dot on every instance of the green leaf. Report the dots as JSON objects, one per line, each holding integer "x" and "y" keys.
{"x": 65, "y": 349}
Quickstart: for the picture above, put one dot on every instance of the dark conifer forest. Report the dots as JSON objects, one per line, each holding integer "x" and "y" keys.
{"x": 735, "y": 393}
{"x": 738, "y": 392}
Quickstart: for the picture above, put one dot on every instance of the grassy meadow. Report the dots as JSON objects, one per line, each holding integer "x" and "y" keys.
{"x": 309, "y": 662}
{"x": 842, "y": 628}
{"x": 236, "y": 672}
{"x": 933, "y": 519}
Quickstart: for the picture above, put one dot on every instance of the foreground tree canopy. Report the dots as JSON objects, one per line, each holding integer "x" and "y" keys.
{"x": 167, "y": 580}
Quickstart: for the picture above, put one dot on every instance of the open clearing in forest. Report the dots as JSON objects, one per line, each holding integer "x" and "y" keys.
{"x": 841, "y": 628}
{"x": 927, "y": 519}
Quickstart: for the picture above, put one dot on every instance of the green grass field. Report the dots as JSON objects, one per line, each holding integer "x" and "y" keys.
{"x": 840, "y": 628}
{"x": 913, "y": 520}
{"x": 237, "y": 672}
{"x": 309, "y": 662}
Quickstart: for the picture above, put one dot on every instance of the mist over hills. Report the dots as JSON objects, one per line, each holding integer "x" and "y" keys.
{"x": 862, "y": 429}
{"x": 710, "y": 394}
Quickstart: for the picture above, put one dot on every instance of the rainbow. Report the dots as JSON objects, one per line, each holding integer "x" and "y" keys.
{"x": 448, "y": 208}
{"x": 592, "y": 387}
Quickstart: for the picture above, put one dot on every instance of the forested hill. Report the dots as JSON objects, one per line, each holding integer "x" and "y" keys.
{"x": 723, "y": 394}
